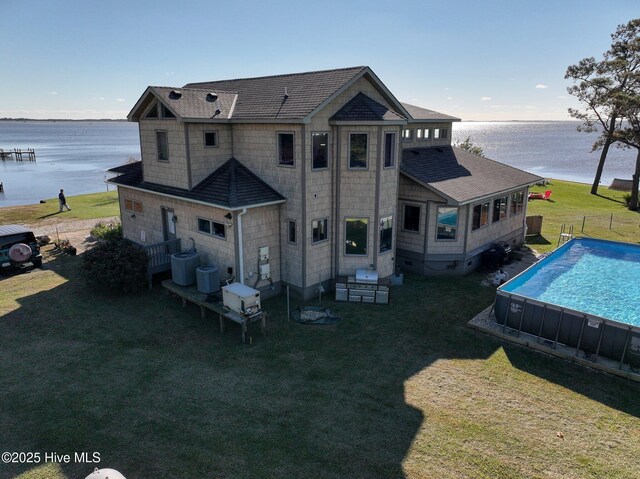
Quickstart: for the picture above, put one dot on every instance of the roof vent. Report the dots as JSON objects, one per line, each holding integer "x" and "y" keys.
{"x": 175, "y": 95}
{"x": 286, "y": 94}
{"x": 212, "y": 97}
{"x": 217, "y": 112}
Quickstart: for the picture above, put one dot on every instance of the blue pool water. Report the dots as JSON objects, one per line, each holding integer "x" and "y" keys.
{"x": 592, "y": 276}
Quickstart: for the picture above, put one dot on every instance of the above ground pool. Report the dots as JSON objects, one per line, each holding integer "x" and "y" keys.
{"x": 586, "y": 294}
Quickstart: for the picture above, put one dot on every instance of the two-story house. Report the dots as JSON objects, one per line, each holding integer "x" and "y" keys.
{"x": 327, "y": 169}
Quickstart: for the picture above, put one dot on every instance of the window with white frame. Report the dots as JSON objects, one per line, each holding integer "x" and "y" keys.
{"x": 358, "y": 147}
{"x": 162, "y": 145}
{"x": 447, "y": 223}
{"x": 500, "y": 208}
{"x": 355, "y": 232}
{"x": 285, "y": 149}
{"x": 319, "y": 230}
{"x": 212, "y": 228}
{"x": 319, "y": 151}
{"x": 389, "y": 150}
{"x": 480, "y": 215}
{"x": 210, "y": 139}
{"x": 386, "y": 233}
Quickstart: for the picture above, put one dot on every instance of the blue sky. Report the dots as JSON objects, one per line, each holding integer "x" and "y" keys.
{"x": 478, "y": 60}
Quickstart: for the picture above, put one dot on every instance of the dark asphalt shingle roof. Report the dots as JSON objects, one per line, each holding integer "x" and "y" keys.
{"x": 460, "y": 175}
{"x": 363, "y": 108}
{"x": 264, "y": 97}
{"x": 419, "y": 113}
{"x": 231, "y": 186}
{"x": 195, "y": 103}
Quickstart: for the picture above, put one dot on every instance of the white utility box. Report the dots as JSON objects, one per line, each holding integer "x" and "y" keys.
{"x": 241, "y": 299}
{"x": 265, "y": 271}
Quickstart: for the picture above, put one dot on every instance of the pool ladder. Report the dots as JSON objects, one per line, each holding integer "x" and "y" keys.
{"x": 566, "y": 233}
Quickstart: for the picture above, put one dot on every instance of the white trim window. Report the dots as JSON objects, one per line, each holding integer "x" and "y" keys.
{"x": 480, "y": 215}
{"x": 212, "y": 228}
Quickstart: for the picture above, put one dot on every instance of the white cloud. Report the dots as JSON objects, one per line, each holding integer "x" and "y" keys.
{"x": 53, "y": 93}
{"x": 120, "y": 99}
{"x": 540, "y": 86}
{"x": 449, "y": 98}
{"x": 485, "y": 98}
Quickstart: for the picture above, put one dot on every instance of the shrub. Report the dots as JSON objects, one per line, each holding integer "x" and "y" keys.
{"x": 107, "y": 231}
{"x": 116, "y": 265}
{"x": 627, "y": 198}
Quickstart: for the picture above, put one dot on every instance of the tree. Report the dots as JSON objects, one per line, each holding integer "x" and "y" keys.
{"x": 470, "y": 147}
{"x": 599, "y": 83}
{"x": 628, "y": 133}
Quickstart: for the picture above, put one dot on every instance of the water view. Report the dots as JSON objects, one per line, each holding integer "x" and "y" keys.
{"x": 75, "y": 155}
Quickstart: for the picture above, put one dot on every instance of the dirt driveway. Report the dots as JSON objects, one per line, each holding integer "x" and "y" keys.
{"x": 76, "y": 231}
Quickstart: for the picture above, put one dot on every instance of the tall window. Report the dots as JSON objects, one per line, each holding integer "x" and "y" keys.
{"x": 386, "y": 233}
{"x": 319, "y": 230}
{"x": 427, "y": 134}
{"x": 285, "y": 149}
{"x": 500, "y": 209}
{"x": 358, "y": 150}
{"x": 411, "y": 219}
{"x": 292, "y": 231}
{"x": 355, "y": 232}
{"x": 407, "y": 134}
{"x": 447, "y": 223}
{"x": 517, "y": 202}
{"x": 480, "y": 215}
{"x": 389, "y": 150}
{"x": 320, "y": 150}
{"x": 162, "y": 145}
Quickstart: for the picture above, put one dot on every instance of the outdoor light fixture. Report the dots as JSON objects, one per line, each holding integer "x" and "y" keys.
{"x": 133, "y": 215}
{"x": 228, "y": 216}
{"x": 174, "y": 218}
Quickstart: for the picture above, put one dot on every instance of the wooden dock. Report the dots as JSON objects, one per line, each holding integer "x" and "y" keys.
{"x": 192, "y": 295}
{"x": 18, "y": 154}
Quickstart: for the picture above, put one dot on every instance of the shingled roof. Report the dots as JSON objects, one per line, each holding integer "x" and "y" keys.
{"x": 232, "y": 186}
{"x": 420, "y": 114}
{"x": 461, "y": 176}
{"x": 362, "y": 108}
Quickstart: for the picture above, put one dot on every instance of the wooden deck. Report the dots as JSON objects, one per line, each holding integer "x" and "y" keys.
{"x": 192, "y": 295}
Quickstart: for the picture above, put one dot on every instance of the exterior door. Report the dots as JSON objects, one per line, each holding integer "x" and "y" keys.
{"x": 168, "y": 224}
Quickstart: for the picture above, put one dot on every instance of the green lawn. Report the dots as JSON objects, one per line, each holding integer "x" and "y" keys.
{"x": 405, "y": 390}
{"x": 572, "y": 204}
{"x": 95, "y": 205}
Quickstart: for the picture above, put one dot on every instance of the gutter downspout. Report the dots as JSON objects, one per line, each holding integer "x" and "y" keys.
{"x": 241, "y": 246}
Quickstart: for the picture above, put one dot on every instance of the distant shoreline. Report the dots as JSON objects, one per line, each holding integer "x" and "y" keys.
{"x": 63, "y": 119}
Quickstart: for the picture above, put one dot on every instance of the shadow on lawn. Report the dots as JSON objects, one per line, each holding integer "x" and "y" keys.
{"x": 159, "y": 392}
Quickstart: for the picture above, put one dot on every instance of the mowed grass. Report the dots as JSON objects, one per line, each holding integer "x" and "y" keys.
{"x": 94, "y": 205}
{"x": 572, "y": 204}
{"x": 405, "y": 390}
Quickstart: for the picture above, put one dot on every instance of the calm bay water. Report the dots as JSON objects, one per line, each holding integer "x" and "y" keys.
{"x": 75, "y": 155}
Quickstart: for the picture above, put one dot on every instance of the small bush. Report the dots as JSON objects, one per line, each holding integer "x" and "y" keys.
{"x": 627, "y": 198}
{"x": 107, "y": 231}
{"x": 116, "y": 265}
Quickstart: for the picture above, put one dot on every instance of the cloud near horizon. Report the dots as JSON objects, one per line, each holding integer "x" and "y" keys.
{"x": 540, "y": 86}
{"x": 485, "y": 98}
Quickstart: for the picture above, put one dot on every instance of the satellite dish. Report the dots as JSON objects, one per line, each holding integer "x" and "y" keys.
{"x": 20, "y": 253}
{"x": 105, "y": 474}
